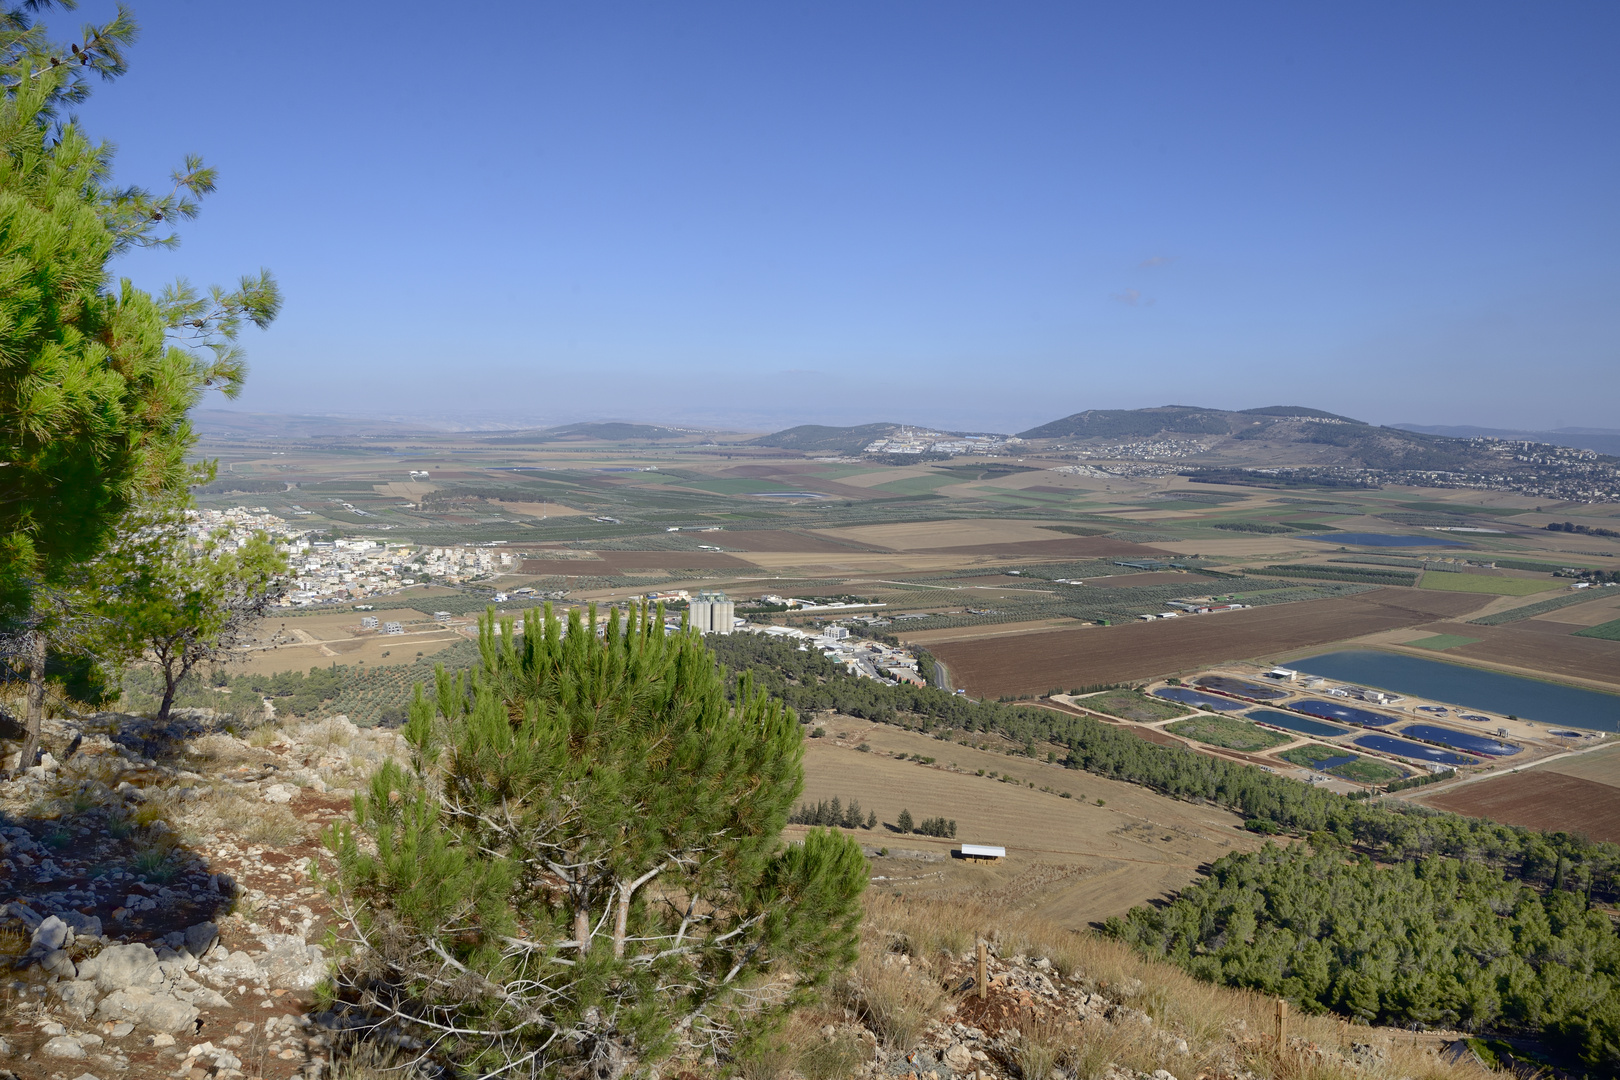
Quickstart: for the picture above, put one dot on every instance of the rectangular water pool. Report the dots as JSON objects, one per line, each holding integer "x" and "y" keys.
{"x": 1332, "y": 710}
{"x": 1470, "y": 687}
{"x": 1249, "y": 690}
{"x": 1412, "y": 750}
{"x": 1290, "y": 722}
{"x": 1474, "y": 744}
{"x": 1197, "y": 700}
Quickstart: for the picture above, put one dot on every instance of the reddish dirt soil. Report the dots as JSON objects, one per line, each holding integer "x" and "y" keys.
{"x": 1539, "y": 800}
{"x": 1033, "y": 663}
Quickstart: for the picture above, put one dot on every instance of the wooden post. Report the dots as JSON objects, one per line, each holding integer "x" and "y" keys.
{"x": 1282, "y": 1022}
{"x": 981, "y": 983}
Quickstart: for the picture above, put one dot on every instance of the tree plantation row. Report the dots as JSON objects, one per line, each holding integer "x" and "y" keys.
{"x": 1502, "y": 934}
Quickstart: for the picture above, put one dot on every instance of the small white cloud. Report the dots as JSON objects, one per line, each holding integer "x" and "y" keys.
{"x": 1157, "y": 260}
{"x": 1132, "y": 298}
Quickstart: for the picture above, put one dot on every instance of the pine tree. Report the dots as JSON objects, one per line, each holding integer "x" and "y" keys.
{"x": 96, "y": 378}
{"x": 904, "y": 822}
{"x": 582, "y": 868}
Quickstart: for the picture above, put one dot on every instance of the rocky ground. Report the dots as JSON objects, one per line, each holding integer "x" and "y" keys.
{"x": 157, "y": 911}
{"x": 161, "y": 916}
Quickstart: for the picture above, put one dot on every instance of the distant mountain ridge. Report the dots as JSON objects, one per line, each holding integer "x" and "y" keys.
{"x": 820, "y": 438}
{"x": 1602, "y": 440}
{"x": 1170, "y": 419}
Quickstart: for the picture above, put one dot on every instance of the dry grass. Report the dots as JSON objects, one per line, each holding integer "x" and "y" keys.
{"x": 1201, "y": 1028}
{"x": 893, "y": 1003}
{"x": 263, "y": 737}
{"x": 223, "y": 751}
{"x": 257, "y": 822}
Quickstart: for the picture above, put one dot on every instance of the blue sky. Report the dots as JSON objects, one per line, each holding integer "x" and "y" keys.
{"x": 968, "y": 214}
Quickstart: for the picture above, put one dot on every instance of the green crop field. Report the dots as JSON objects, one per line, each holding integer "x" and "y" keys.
{"x": 1479, "y": 583}
{"x": 1132, "y": 705}
{"x": 1367, "y": 771}
{"x": 1227, "y": 732}
{"x": 1441, "y": 641}
{"x": 1540, "y": 607}
{"x": 1609, "y": 631}
{"x": 919, "y": 485}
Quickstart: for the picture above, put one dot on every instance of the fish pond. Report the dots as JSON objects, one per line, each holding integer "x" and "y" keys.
{"x": 1384, "y": 540}
{"x": 1332, "y": 710}
{"x": 1470, "y": 687}
{"x": 1197, "y": 700}
{"x": 1415, "y": 751}
{"x": 1227, "y": 685}
{"x": 1474, "y": 744}
{"x": 1290, "y": 722}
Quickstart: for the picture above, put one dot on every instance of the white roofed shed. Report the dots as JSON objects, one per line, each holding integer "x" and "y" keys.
{"x": 982, "y": 851}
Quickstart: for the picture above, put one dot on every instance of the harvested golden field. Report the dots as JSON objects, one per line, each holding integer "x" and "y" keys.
{"x": 781, "y": 540}
{"x": 1602, "y": 766}
{"x": 1068, "y": 859}
{"x": 1034, "y": 663}
{"x": 1068, "y": 547}
{"x": 917, "y": 535}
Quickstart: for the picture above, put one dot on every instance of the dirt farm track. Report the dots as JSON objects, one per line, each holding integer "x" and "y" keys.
{"x": 1037, "y": 662}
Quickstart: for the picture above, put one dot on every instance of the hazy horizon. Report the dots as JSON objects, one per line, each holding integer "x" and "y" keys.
{"x": 726, "y": 214}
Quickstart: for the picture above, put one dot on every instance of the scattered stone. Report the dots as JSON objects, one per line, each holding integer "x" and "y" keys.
{"x": 137, "y": 1005}
{"x": 280, "y": 793}
{"x": 120, "y": 1030}
{"x": 58, "y": 963}
{"x": 122, "y": 966}
{"x": 63, "y": 1046}
{"x": 50, "y": 935}
{"x": 200, "y": 938}
{"x": 162, "y": 1038}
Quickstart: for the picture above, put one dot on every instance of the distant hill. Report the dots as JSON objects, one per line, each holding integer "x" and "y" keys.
{"x": 816, "y": 438}
{"x": 588, "y": 432}
{"x": 1280, "y": 435}
{"x": 1169, "y": 420}
{"x": 1296, "y": 410}
{"x": 1603, "y": 440}
{"x": 227, "y": 423}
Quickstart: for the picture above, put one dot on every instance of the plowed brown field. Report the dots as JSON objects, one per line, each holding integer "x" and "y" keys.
{"x": 1540, "y": 800}
{"x": 1035, "y": 663}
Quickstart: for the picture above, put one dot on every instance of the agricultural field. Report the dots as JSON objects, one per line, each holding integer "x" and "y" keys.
{"x": 606, "y": 521}
{"x": 1440, "y": 642}
{"x": 1132, "y": 705}
{"x": 1495, "y": 586}
{"x": 1228, "y": 732}
{"x": 1069, "y": 859}
{"x": 1033, "y": 663}
{"x": 1609, "y": 631}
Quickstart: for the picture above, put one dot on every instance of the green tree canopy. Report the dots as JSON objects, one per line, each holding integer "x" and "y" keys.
{"x": 96, "y": 376}
{"x": 584, "y": 865}
{"x": 164, "y": 599}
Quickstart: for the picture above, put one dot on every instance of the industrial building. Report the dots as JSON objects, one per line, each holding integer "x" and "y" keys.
{"x": 712, "y": 613}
